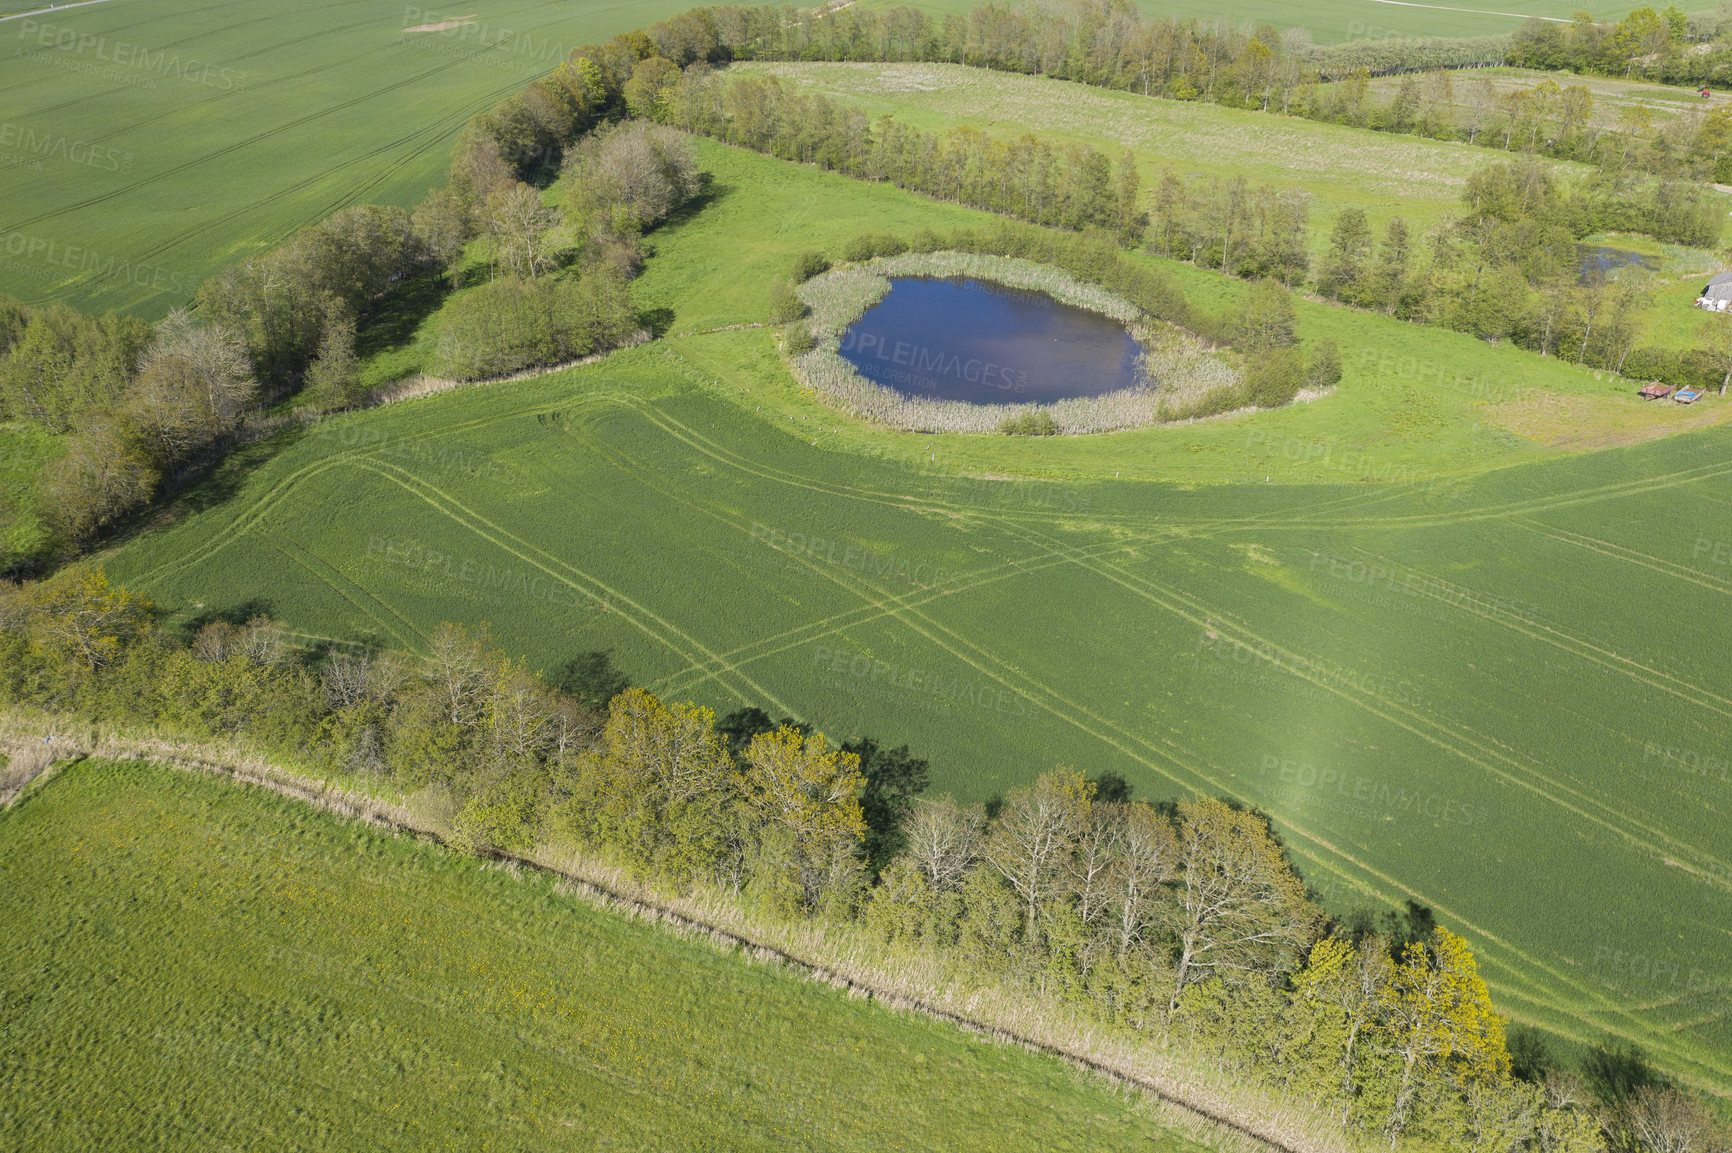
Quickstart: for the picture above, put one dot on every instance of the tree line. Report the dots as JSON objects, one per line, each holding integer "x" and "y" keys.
{"x": 1505, "y": 265}
{"x": 1179, "y": 920}
{"x": 1107, "y": 43}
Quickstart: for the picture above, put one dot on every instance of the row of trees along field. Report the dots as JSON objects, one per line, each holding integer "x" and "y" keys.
{"x": 1107, "y": 43}
{"x": 1506, "y": 266}
{"x": 1182, "y": 921}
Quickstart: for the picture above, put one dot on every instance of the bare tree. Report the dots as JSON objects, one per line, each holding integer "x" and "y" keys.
{"x": 1148, "y": 858}
{"x": 944, "y": 840}
{"x": 519, "y": 223}
{"x": 1034, "y": 834}
{"x": 457, "y": 669}
{"x": 1662, "y": 1119}
{"x": 1099, "y": 840}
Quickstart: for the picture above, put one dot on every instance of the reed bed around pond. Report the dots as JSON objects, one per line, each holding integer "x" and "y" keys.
{"x": 1175, "y": 367}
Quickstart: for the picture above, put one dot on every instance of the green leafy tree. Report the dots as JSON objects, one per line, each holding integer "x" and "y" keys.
{"x": 1343, "y": 268}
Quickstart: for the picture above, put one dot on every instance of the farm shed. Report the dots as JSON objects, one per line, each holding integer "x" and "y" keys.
{"x": 1717, "y": 294}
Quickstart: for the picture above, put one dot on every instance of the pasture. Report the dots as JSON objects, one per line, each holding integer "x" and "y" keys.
{"x": 1330, "y": 21}
{"x": 1341, "y": 167}
{"x": 202, "y": 965}
{"x": 145, "y": 144}
{"x": 1456, "y": 662}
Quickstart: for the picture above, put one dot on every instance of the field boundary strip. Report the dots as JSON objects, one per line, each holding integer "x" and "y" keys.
{"x": 355, "y": 805}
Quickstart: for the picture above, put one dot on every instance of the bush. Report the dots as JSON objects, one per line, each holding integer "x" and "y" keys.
{"x": 809, "y": 264}
{"x": 800, "y": 340}
{"x": 785, "y": 303}
{"x": 1032, "y": 422}
{"x": 868, "y": 245}
{"x": 513, "y": 324}
{"x": 1324, "y": 371}
{"x": 1681, "y": 368}
{"x": 1272, "y": 378}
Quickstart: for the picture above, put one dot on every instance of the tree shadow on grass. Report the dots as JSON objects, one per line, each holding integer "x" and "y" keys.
{"x": 202, "y": 489}
{"x": 708, "y": 195}
{"x": 394, "y": 323}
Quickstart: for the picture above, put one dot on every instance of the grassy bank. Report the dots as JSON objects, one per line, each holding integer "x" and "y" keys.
{"x": 303, "y": 982}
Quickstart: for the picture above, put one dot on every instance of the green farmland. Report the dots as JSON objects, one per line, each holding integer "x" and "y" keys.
{"x": 200, "y": 966}
{"x": 145, "y": 144}
{"x": 1456, "y": 656}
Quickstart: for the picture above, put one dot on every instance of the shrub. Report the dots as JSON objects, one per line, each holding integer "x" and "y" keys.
{"x": 513, "y": 324}
{"x": 800, "y": 340}
{"x": 1324, "y": 371}
{"x": 867, "y": 245}
{"x": 1030, "y": 422}
{"x": 785, "y": 303}
{"x": 809, "y": 264}
{"x": 1273, "y": 377}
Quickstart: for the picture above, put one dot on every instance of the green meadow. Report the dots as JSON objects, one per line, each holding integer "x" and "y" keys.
{"x": 145, "y": 144}
{"x": 1384, "y": 174}
{"x": 1458, "y": 657}
{"x": 1330, "y": 21}
{"x": 197, "y": 965}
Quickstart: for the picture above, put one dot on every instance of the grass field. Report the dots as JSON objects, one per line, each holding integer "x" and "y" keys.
{"x": 1384, "y": 174}
{"x": 1495, "y": 681}
{"x": 147, "y": 143}
{"x": 1330, "y": 21}
{"x": 196, "y": 965}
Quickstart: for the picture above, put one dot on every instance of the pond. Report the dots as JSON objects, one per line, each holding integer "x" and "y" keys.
{"x": 983, "y": 343}
{"x": 1606, "y": 260}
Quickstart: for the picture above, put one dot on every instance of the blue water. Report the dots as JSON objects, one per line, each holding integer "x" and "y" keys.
{"x": 1607, "y": 260}
{"x": 978, "y": 342}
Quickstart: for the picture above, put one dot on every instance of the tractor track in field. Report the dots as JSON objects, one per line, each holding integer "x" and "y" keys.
{"x": 1464, "y": 743}
{"x": 1530, "y": 980}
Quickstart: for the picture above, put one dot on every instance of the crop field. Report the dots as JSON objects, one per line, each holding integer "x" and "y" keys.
{"x": 145, "y": 144}
{"x": 1456, "y": 658}
{"x": 1384, "y": 174}
{"x": 196, "y": 965}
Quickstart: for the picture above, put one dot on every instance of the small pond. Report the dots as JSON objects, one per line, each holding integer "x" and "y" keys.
{"x": 982, "y": 343}
{"x": 1606, "y": 260}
